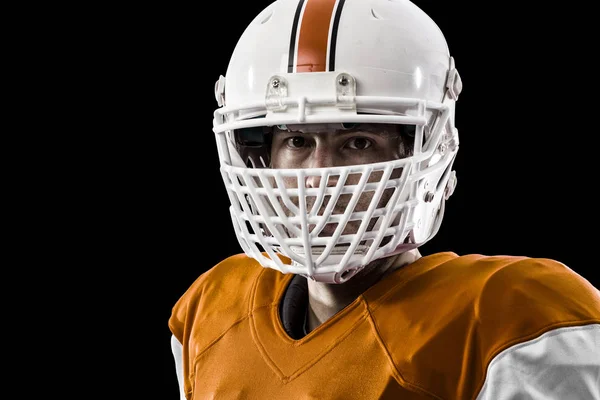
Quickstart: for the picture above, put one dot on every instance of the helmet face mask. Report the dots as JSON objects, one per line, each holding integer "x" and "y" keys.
{"x": 330, "y": 221}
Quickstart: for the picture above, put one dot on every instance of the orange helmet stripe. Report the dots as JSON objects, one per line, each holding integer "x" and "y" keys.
{"x": 313, "y": 36}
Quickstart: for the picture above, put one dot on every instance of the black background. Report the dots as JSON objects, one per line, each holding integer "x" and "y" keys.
{"x": 525, "y": 167}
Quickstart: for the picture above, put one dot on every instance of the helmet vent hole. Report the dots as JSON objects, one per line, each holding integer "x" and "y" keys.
{"x": 375, "y": 14}
{"x": 266, "y": 18}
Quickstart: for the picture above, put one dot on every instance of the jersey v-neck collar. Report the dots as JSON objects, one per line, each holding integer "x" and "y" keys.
{"x": 289, "y": 357}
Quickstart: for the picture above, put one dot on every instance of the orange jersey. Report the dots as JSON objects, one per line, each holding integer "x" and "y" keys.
{"x": 430, "y": 329}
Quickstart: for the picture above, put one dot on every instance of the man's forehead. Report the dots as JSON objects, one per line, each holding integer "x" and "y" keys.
{"x": 335, "y": 127}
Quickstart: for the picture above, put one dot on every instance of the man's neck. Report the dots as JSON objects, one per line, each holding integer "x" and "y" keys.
{"x": 325, "y": 299}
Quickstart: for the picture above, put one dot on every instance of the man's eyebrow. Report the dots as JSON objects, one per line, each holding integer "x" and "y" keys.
{"x": 378, "y": 132}
{"x": 345, "y": 132}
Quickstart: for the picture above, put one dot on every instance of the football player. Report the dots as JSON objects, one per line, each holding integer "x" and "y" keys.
{"x": 336, "y": 137}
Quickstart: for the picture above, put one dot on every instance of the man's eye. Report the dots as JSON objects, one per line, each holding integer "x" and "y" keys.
{"x": 296, "y": 141}
{"x": 359, "y": 143}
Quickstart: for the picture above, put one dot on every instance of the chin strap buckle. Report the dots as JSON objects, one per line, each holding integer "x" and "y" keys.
{"x": 220, "y": 91}
{"x": 450, "y": 185}
{"x": 453, "y": 82}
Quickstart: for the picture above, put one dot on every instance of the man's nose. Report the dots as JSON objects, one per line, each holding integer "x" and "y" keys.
{"x": 314, "y": 181}
{"x": 321, "y": 158}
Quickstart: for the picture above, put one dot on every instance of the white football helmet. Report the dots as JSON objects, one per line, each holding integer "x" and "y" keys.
{"x": 337, "y": 61}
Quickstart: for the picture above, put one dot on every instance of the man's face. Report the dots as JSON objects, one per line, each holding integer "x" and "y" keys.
{"x": 331, "y": 145}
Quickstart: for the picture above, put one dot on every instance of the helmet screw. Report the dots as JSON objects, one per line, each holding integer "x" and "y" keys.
{"x": 443, "y": 147}
{"x": 429, "y": 196}
{"x": 343, "y": 80}
{"x": 275, "y": 83}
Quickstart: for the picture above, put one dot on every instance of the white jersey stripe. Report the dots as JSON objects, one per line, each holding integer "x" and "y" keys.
{"x": 562, "y": 364}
